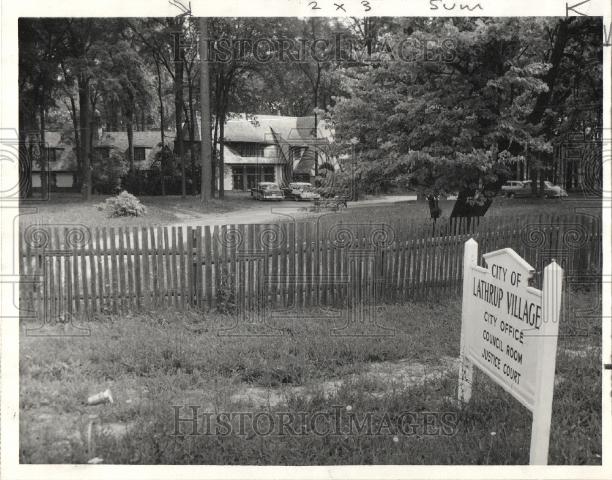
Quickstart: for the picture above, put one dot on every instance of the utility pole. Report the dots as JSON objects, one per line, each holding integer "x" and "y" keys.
{"x": 205, "y": 145}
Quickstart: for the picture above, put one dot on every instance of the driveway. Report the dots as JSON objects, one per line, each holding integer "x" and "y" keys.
{"x": 271, "y": 212}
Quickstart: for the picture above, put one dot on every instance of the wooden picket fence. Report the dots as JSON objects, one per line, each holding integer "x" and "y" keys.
{"x": 307, "y": 263}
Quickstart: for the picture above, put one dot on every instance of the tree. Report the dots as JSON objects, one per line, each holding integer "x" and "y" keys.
{"x": 175, "y": 25}
{"x": 205, "y": 150}
{"x": 39, "y": 47}
{"x": 126, "y": 81}
{"x": 451, "y": 116}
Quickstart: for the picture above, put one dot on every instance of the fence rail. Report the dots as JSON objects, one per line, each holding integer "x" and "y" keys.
{"x": 307, "y": 263}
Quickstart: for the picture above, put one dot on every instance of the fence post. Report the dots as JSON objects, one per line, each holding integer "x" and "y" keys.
{"x": 466, "y": 369}
{"x": 547, "y": 352}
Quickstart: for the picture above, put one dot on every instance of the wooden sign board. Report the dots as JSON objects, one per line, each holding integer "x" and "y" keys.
{"x": 509, "y": 330}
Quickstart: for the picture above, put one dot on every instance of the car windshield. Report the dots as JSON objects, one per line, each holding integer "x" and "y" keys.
{"x": 270, "y": 186}
{"x": 548, "y": 184}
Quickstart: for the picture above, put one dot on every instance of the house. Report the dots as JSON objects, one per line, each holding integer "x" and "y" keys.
{"x": 63, "y": 167}
{"x": 271, "y": 148}
{"x": 257, "y": 148}
{"x": 146, "y": 146}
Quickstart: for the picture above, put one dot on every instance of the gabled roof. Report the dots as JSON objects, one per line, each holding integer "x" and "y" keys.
{"x": 146, "y": 139}
{"x": 150, "y": 139}
{"x": 66, "y": 159}
{"x": 242, "y": 128}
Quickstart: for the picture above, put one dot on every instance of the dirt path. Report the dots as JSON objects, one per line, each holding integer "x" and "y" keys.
{"x": 85, "y": 427}
{"x": 383, "y": 376}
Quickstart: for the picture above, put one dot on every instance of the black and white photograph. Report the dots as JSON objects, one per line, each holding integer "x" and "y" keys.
{"x": 330, "y": 238}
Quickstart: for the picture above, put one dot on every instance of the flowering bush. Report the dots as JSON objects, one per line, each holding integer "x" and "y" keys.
{"x": 123, "y": 205}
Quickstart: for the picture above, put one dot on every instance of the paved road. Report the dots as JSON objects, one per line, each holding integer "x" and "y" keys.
{"x": 270, "y": 212}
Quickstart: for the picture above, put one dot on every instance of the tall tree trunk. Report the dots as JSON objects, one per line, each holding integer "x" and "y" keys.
{"x": 131, "y": 117}
{"x": 130, "y": 136}
{"x": 221, "y": 156}
{"x": 25, "y": 189}
{"x": 215, "y": 149}
{"x": 44, "y": 154}
{"x": 215, "y": 141}
{"x": 77, "y": 138}
{"x": 162, "y": 159}
{"x": 205, "y": 150}
{"x": 192, "y": 127}
{"x": 83, "y": 85}
{"x": 178, "y": 103}
{"x": 316, "y": 151}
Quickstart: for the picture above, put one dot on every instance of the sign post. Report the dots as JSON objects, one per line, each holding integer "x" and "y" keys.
{"x": 509, "y": 331}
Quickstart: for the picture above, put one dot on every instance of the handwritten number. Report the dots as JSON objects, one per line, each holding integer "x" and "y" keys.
{"x": 314, "y": 6}
{"x": 366, "y": 5}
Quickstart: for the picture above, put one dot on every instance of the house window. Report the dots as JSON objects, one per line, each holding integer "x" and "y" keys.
{"x": 268, "y": 174}
{"x": 246, "y": 177}
{"x": 139, "y": 154}
{"x": 54, "y": 154}
{"x": 250, "y": 149}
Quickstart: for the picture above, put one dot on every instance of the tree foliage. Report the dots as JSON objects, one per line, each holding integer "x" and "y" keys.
{"x": 441, "y": 105}
{"x": 449, "y": 105}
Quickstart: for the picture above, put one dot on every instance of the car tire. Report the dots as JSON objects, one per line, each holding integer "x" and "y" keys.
{"x": 511, "y": 195}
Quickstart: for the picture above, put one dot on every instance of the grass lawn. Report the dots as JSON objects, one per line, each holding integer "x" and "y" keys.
{"x": 419, "y": 211}
{"x": 154, "y": 361}
{"x": 68, "y": 209}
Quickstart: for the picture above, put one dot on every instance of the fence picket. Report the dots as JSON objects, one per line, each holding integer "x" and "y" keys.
{"x": 199, "y": 269}
{"x": 129, "y": 253}
{"x": 146, "y": 269}
{"x": 216, "y": 263}
{"x": 289, "y": 264}
{"x": 155, "y": 290}
{"x": 208, "y": 259}
{"x": 137, "y": 269}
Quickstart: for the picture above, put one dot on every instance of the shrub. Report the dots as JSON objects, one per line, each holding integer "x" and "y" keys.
{"x": 107, "y": 172}
{"x": 334, "y": 183}
{"x": 123, "y": 205}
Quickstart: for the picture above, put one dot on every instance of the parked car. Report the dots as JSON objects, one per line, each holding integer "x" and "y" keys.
{"x": 525, "y": 190}
{"x": 300, "y": 191}
{"x": 511, "y": 187}
{"x": 553, "y": 191}
{"x": 267, "y": 191}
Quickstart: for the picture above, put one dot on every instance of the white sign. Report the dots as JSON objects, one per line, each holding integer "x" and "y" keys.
{"x": 509, "y": 330}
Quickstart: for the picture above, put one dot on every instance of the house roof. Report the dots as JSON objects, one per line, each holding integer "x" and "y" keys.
{"x": 66, "y": 160}
{"x": 146, "y": 139}
{"x": 241, "y": 128}
{"x": 150, "y": 139}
